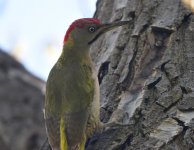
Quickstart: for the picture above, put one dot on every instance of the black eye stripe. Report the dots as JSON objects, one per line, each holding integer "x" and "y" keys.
{"x": 92, "y": 29}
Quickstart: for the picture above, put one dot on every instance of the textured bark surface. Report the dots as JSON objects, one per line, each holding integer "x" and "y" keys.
{"x": 146, "y": 75}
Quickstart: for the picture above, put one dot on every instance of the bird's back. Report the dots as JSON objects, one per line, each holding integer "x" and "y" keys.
{"x": 69, "y": 93}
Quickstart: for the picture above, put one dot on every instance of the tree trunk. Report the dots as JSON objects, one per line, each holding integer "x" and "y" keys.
{"x": 21, "y": 104}
{"x": 146, "y": 75}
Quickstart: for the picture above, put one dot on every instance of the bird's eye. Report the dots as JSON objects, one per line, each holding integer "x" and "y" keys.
{"x": 92, "y": 29}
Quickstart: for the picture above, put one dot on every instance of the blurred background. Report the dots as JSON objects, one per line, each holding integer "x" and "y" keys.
{"x": 33, "y": 31}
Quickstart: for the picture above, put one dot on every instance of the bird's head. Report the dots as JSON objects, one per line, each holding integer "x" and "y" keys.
{"x": 87, "y": 30}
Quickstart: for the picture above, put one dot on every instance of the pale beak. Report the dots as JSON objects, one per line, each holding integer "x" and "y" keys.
{"x": 107, "y": 27}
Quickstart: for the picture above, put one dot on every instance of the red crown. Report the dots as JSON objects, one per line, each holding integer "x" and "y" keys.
{"x": 80, "y": 23}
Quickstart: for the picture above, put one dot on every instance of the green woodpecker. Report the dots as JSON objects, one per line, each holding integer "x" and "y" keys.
{"x": 72, "y": 89}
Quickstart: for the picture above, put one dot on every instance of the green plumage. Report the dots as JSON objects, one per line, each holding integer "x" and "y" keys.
{"x": 70, "y": 112}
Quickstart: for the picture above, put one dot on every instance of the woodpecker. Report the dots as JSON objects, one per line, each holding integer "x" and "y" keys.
{"x": 72, "y": 90}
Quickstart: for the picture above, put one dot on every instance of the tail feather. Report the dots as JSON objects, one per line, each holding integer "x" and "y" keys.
{"x": 80, "y": 146}
{"x": 63, "y": 140}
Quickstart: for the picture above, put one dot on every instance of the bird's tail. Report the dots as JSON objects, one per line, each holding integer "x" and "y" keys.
{"x": 77, "y": 147}
{"x": 80, "y": 146}
{"x": 63, "y": 140}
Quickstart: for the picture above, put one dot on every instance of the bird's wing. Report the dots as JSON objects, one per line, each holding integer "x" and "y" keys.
{"x": 52, "y": 110}
{"x": 82, "y": 90}
{"x": 53, "y": 131}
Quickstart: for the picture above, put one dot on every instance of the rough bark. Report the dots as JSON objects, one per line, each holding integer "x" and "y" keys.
{"x": 146, "y": 75}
